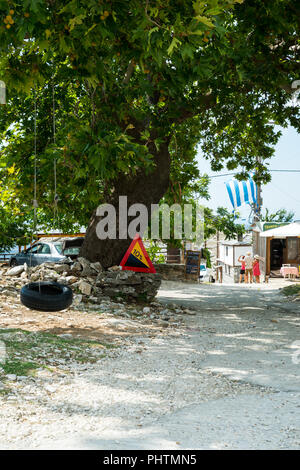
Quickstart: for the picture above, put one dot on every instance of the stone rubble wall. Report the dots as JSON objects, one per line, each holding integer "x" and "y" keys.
{"x": 89, "y": 280}
{"x": 171, "y": 272}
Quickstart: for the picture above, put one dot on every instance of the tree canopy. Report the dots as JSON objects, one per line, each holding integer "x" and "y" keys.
{"x": 281, "y": 215}
{"x": 137, "y": 85}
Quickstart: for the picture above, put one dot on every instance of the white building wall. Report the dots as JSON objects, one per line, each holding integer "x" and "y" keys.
{"x": 221, "y": 252}
{"x": 229, "y": 261}
{"x": 226, "y": 254}
{"x": 240, "y": 251}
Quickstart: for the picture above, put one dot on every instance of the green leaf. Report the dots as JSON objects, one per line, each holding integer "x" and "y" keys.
{"x": 76, "y": 20}
{"x": 175, "y": 42}
{"x": 90, "y": 29}
{"x": 205, "y": 20}
{"x": 187, "y": 51}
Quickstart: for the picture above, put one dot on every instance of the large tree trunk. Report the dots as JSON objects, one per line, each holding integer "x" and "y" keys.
{"x": 142, "y": 188}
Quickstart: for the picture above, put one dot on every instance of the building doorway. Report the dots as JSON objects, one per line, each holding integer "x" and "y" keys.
{"x": 277, "y": 247}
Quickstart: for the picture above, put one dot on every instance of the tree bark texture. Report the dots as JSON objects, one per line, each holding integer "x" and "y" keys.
{"x": 141, "y": 188}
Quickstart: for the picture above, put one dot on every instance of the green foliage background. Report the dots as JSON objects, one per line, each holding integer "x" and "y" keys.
{"x": 128, "y": 74}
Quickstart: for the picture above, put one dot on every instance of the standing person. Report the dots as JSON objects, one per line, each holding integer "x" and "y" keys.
{"x": 256, "y": 268}
{"x": 242, "y": 270}
{"x": 248, "y": 268}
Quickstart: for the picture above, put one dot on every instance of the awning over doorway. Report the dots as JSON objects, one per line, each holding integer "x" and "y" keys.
{"x": 291, "y": 230}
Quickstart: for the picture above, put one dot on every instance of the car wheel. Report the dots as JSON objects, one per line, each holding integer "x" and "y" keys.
{"x": 46, "y": 296}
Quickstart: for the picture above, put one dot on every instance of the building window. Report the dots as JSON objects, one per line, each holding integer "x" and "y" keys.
{"x": 226, "y": 251}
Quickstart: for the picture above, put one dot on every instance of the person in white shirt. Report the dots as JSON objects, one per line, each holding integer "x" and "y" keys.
{"x": 248, "y": 267}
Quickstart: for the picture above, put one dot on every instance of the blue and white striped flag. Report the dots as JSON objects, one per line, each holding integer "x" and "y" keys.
{"x": 241, "y": 192}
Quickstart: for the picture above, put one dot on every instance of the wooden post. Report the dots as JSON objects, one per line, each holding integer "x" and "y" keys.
{"x": 268, "y": 256}
{"x": 219, "y": 274}
{"x": 259, "y": 201}
{"x": 182, "y": 252}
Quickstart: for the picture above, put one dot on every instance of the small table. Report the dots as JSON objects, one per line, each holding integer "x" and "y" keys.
{"x": 289, "y": 271}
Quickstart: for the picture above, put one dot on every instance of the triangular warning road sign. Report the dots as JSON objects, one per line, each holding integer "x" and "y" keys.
{"x": 136, "y": 258}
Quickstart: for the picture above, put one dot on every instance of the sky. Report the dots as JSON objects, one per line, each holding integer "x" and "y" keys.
{"x": 282, "y": 192}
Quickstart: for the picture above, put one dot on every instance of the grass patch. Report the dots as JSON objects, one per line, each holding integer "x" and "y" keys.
{"x": 27, "y": 351}
{"x": 19, "y": 367}
{"x": 291, "y": 290}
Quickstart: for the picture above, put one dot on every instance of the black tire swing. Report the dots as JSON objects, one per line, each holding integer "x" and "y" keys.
{"x": 45, "y": 296}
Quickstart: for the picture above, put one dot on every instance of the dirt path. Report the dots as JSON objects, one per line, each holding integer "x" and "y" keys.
{"x": 223, "y": 378}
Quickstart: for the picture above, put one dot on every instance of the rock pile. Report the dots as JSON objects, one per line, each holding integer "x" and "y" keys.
{"x": 89, "y": 280}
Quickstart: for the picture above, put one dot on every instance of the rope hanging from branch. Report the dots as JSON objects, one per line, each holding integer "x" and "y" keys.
{"x": 35, "y": 203}
{"x": 56, "y": 197}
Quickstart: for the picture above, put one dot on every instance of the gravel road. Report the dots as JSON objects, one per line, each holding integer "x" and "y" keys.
{"x": 222, "y": 379}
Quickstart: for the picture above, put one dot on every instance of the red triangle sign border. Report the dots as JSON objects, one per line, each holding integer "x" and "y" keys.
{"x": 151, "y": 268}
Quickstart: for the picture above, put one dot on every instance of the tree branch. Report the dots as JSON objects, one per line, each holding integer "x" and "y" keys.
{"x": 148, "y": 17}
{"x": 129, "y": 72}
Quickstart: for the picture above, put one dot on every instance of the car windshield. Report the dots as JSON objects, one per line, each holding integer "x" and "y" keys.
{"x": 58, "y": 247}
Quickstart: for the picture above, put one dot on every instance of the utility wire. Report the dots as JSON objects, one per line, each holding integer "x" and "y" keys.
{"x": 285, "y": 193}
{"x": 288, "y": 171}
{"x": 219, "y": 176}
{"x": 230, "y": 174}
